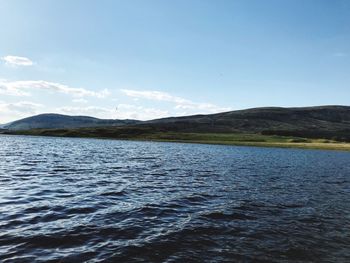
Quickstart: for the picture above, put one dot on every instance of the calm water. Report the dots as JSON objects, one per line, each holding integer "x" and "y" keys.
{"x": 85, "y": 200}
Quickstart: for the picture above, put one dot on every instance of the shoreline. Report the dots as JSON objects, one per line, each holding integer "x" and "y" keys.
{"x": 311, "y": 144}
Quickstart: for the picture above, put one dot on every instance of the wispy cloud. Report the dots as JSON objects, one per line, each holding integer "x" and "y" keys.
{"x": 125, "y": 111}
{"x": 82, "y": 101}
{"x": 89, "y": 110}
{"x": 16, "y": 110}
{"x": 180, "y": 103}
{"x": 7, "y": 88}
{"x": 129, "y": 111}
{"x": 16, "y": 61}
{"x": 340, "y": 54}
{"x": 22, "y": 88}
{"x": 22, "y": 106}
{"x": 153, "y": 95}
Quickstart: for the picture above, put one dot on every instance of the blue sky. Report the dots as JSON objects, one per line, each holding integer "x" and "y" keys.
{"x": 161, "y": 58}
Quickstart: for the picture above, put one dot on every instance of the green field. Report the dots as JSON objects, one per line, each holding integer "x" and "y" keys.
{"x": 146, "y": 133}
{"x": 250, "y": 140}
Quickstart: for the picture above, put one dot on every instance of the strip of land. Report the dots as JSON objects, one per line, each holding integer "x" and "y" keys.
{"x": 320, "y": 127}
{"x": 144, "y": 133}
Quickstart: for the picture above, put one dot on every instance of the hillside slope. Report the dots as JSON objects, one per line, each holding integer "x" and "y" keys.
{"x": 324, "y": 122}
{"x": 313, "y": 122}
{"x": 58, "y": 121}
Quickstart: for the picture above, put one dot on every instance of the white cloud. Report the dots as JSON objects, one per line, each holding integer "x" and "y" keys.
{"x": 154, "y": 95}
{"x": 124, "y": 111}
{"x": 17, "y": 110}
{"x": 180, "y": 103}
{"x": 21, "y": 106}
{"x": 7, "y": 89}
{"x": 21, "y": 88}
{"x": 128, "y": 111}
{"x": 15, "y": 61}
{"x": 89, "y": 110}
{"x": 82, "y": 101}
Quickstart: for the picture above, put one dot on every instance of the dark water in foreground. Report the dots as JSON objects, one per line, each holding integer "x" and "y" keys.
{"x": 77, "y": 200}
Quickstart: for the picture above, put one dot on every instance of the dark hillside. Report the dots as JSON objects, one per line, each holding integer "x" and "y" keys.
{"x": 58, "y": 121}
{"x": 327, "y": 122}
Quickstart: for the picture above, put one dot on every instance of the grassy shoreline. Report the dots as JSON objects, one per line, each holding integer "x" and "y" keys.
{"x": 235, "y": 139}
{"x": 313, "y": 146}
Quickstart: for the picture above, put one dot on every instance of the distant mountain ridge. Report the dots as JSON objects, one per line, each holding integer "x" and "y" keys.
{"x": 313, "y": 122}
{"x": 331, "y": 122}
{"x": 59, "y": 121}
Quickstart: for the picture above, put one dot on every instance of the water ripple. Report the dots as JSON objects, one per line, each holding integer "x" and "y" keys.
{"x": 85, "y": 200}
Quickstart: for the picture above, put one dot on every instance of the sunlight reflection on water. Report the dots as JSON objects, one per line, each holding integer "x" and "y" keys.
{"x": 75, "y": 200}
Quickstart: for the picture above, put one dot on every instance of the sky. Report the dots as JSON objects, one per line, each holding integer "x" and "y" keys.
{"x": 146, "y": 59}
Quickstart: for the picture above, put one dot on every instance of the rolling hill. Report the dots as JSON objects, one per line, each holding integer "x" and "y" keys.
{"x": 58, "y": 121}
{"x": 311, "y": 122}
{"x": 324, "y": 122}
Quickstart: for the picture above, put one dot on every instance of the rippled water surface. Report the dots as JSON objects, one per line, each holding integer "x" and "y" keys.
{"x": 86, "y": 200}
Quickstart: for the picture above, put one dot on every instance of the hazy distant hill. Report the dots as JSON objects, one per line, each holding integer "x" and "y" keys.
{"x": 58, "y": 121}
{"x": 329, "y": 122}
{"x": 313, "y": 122}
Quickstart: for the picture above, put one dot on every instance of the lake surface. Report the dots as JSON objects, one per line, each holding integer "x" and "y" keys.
{"x": 86, "y": 200}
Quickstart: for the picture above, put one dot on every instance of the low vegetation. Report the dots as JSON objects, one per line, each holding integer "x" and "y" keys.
{"x": 146, "y": 133}
{"x": 323, "y": 127}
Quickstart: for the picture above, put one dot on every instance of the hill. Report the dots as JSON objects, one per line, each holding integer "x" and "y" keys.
{"x": 331, "y": 122}
{"x": 58, "y": 121}
{"x": 323, "y": 122}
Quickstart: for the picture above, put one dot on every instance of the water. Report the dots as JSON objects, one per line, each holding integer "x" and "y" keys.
{"x": 86, "y": 200}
